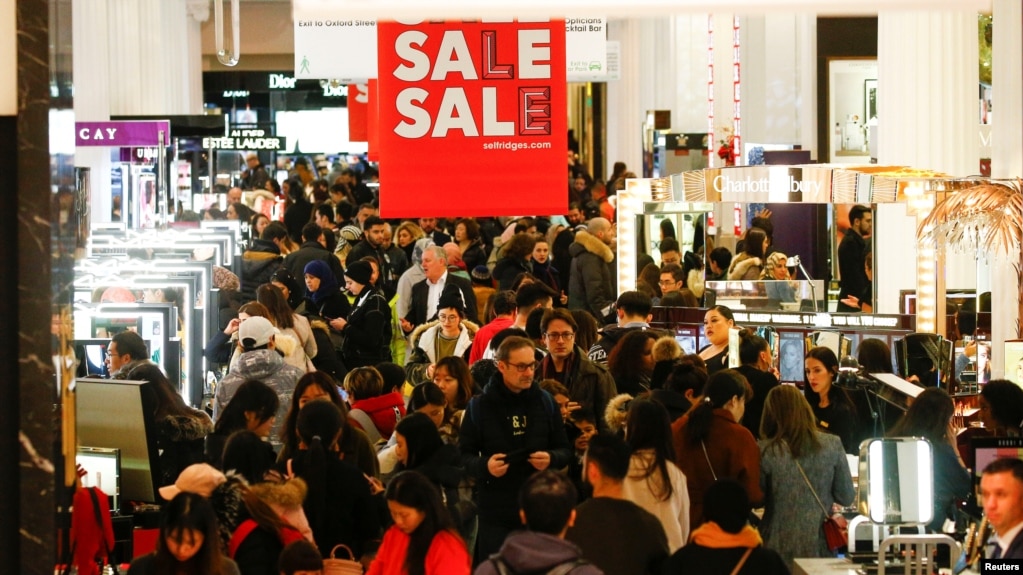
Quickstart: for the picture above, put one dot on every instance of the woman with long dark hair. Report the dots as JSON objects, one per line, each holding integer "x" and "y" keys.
{"x": 423, "y": 540}
{"x": 516, "y": 256}
{"x": 1001, "y": 407}
{"x": 711, "y": 444}
{"x": 253, "y": 407}
{"x": 874, "y": 356}
{"x": 453, "y": 378}
{"x": 631, "y": 362}
{"x": 716, "y": 323}
{"x": 683, "y": 386}
{"x": 654, "y": 482}
{"x": 338, "y": 504}
{"x": 421, "y": 448}
{"x": 930, "y": 417}
{"x": 758, "y": 368}
{"x": 793, "y": 446}
{"x": 180, "y": 430}
{"x": 353, "y": 445}
{"x": 833, "y": 408}
{"x": 188, "y": 542}
{"x": 750, "y": 263}
{"x": 467, "y": 235}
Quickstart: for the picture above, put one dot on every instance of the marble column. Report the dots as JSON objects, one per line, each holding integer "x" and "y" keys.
{"x": 37, "y": 269}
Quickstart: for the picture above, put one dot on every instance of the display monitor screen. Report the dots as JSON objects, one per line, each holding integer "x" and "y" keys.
{"x": 111, "y": 414}
{"x": 988, "y": 449}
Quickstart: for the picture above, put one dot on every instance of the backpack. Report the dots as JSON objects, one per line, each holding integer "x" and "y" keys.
{"x": 502, "y": 567}
{"x": 286, "y": 535}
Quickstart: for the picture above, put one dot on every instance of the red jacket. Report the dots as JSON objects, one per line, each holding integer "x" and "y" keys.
{"x": 447, "y": 555}
{"x": 385, "y": 411}
{"x": 733, "y": 453}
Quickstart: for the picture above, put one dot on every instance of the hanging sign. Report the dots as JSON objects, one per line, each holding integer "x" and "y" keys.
{"x": 586, "y": 49}
{"x": 121, "y": 134}
{"x": 358, "y": 112}
{"x": 485, "y": 98}
{"x": 320, "y": 35}
{"x": 246, "y": 140}
{"x": 331, "y": 47}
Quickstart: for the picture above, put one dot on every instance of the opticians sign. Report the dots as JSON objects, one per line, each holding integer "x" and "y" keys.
{"x": 487, "y": 95}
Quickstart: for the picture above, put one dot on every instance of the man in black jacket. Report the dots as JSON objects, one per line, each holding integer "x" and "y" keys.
{"x": 851, "y": 255}
{"x": 591, "y": 285}
{"x": 311, "y": 249}
{"x": 633, "y": 309}
{"x": 262, "y": 259}
{"x": 372, "y": 244}
{"x": 510, "y": 431}
{"x": 426, "y": 294}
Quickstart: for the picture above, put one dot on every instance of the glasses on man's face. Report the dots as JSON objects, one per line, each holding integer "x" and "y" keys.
{"x": 666, "y": 282}
{"x": 555, "y": 336}
{"x": 445, "y": 317}
{"x": 524, "y": 367}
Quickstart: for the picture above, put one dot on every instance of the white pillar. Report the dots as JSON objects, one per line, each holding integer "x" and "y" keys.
{"x": 927, "y": 91}
{"x": 624, "y": 111}
{"x": 807, "y": 50}
{"x": 689, "y": 110}
{"x": 1006, "y": 158}
{"x": 155, "y": 65}
{"x": 92, "y": 95}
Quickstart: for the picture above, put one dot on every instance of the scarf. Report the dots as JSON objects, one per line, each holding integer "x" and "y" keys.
{"x": 328, "y": 283}
{"x": 714, "y": 537}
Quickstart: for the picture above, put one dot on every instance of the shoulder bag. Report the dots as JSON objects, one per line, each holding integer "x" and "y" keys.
{"x": 835, "y": 527}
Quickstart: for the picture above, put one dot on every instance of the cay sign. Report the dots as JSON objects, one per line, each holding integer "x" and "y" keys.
{"x": 121, "y": 134}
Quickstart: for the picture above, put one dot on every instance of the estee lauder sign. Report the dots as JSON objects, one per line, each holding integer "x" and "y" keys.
{"x": 252, "y": 140}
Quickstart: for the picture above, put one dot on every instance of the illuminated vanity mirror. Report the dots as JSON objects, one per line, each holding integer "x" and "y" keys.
{"x": 812, "y": 231}
{"x": 896, "y": 481}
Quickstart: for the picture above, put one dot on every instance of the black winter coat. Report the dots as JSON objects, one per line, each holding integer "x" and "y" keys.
{"x": 516, "y": 424}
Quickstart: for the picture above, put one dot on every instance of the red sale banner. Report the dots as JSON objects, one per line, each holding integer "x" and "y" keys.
{"x": 472, "y": 118}
{"x": 358, "y": 115}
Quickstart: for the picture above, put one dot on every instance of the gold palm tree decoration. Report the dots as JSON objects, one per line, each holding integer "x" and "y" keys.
{"x": 986, "y": 218}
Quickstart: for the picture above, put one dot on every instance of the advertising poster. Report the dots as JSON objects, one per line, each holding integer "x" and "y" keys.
{"x": 472, "y": 118}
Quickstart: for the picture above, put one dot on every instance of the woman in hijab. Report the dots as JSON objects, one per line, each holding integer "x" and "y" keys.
{"x": 323, "y": 296}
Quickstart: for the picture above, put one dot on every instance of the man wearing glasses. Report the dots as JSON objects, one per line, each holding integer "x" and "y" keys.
{"x": 588, "y": 384}
{"x": 511, "y": 431}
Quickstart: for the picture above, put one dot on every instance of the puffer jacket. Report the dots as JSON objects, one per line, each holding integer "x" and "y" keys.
{"x": 590, "y": 284}
{"x": 179, "y": 439}
{"x": 265, "y": 365}
{"x": 258, "y": 265}
{"x": 424, "y": 350}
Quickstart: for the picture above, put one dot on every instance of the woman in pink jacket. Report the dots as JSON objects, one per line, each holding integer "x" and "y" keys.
{"x": 423, "y": 539}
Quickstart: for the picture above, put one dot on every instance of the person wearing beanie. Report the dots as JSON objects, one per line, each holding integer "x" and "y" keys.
{"x": 726, "y": 543}
{"x": 367, "y": 329}
{"x": 449, "y": 335}
{"x": 483, "y": 287}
